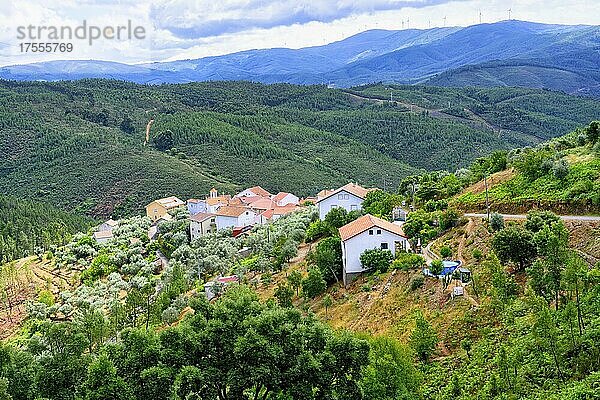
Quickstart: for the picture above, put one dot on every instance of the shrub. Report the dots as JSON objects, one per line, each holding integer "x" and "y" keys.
{"x": 417, "y": 282}
{"x": 376, "y": 259}
{"x": 284, "y": 294}
{"x": 314, "y": 284}
{"x": 408, "y": 261}
{"x": 266, "y": 278}
{"x": 477, "y": 254}
{"x": 436, "y": 267}
{"x": 46, "y": 297}
{"x": 560, "y": 169}
{"x": 446, "y": 252}
{"x": 496, "y": 222}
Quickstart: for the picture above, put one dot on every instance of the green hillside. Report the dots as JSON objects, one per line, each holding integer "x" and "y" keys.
{"x": 27, "y": 227}
{"x": 80, "y": 145}
{"x": 527, "y": 73}
{"x": 563, "y": 175}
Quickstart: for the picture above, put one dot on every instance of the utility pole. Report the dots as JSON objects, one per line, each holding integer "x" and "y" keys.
{"x": 413, "y": 194}
{"x": 509, "y": 11}
{"x": 480, "y": 17}
{"x": 444, "y": 21}
{"x": 487, "y": 199}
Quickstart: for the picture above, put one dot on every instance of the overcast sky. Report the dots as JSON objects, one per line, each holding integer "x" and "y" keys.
{"x": 183, "y": 29}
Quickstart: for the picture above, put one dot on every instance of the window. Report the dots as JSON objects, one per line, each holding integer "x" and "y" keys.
{"x": 353, "y": 207}
{"x": 384, "y": 246}
{"x": 371, "y": 232}
{"x": 346, "y": 197}
{"x": 379, "y": 231}
{"x": 333, "y": 206}
{"x": 340, "y": 196}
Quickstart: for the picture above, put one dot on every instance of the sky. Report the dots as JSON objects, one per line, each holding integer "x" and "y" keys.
{"x": 188, "y": 29}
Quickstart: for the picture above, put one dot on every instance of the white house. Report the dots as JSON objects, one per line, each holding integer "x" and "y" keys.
{"x": 284, "y": 199}
{"x": 233, "y": 217}
{"x": 201, "y": 224}
{"x": 349, "y": 197}
{"x": 108, "y": 225}
{"x": 255, "y": 191}
{"x": 196, "y": 206}
{"x": 364, "y": 233}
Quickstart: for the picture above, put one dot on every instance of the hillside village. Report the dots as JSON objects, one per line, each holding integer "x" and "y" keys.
{"x": 256, "y": 206}
{"x": 237, "y": 215}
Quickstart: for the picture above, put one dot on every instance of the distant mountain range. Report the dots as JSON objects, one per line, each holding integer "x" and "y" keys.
{"x": 508, "y": 53}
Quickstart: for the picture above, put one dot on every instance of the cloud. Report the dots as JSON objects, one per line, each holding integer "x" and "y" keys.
{"x": 179, "y": 29}
{"x": 204, "y": 18}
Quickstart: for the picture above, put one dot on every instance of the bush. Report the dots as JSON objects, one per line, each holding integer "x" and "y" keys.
{"x": 317, "y": 230}
{"x": 284, "y": 294}
{"x": 46, "y": 297}
{"x": 477, "y": 254}
{"x": 417, "y": 283}
{"x": 314, "y": 284}
{"x": 376, "y": 259}
{"x": 496, "y": 222}
{"x": 446, "y": 252}
{"x": 408, "y": 261}
{"x": 436, "y": 267}
{"x": 560, "y": 169}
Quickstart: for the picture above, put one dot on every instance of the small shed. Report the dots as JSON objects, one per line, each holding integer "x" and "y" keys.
{"x": 464, "y": 274}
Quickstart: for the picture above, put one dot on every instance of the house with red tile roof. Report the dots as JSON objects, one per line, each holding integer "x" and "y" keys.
{"x": 202, "y": 224}
{"x": 233, "y": 216}
{"x": 284, "y": 199}
{"x": 364, "y": 233}
{"x": 262, "y": 204}
{"x": 349, "y": 197}
{"x": 254, "y": 191}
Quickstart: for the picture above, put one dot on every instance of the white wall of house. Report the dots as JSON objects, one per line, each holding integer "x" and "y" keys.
{"x": 289, "y": 199}
{"x": 342, "y": 199}
{"x": 378, "y": 239}
{"x": 198, "y": 229}
{"x": 213, "y": 208}
{"x": 224, "y": 222}
{"x": 245, "y": 219}
{"x": 197, "y": 207}
{"x": 261, "y": 219}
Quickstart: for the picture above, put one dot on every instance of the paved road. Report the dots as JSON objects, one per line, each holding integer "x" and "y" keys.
{"x": 589, "y": 218}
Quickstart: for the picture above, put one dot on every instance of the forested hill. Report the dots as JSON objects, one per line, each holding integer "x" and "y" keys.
{"x": 27, "y": 227}
{"x": 80, "y": 145}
